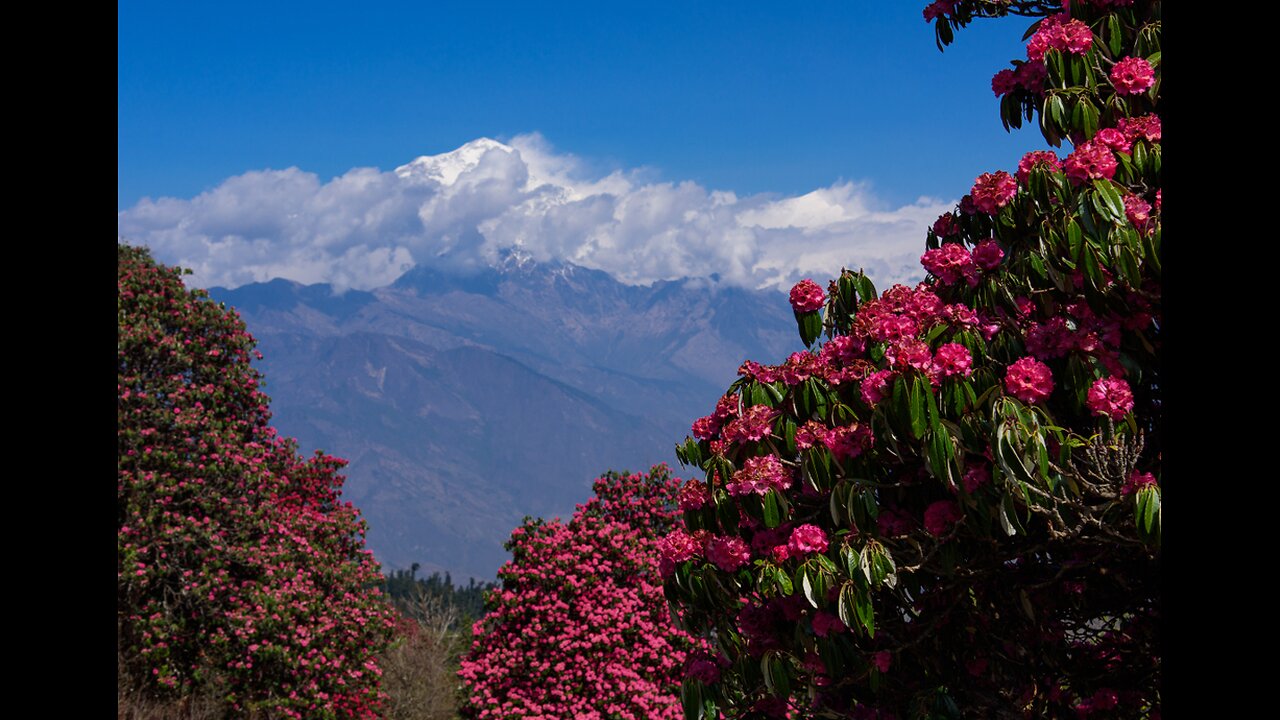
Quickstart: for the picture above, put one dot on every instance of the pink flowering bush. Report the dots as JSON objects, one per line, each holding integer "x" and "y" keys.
{"x": 579, "y": 628}
{"x": 955, "y": 507}
{"x": 241, "y": 573}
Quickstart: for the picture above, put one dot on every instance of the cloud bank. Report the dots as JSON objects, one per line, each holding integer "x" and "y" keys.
{"x": 465, "y": 209}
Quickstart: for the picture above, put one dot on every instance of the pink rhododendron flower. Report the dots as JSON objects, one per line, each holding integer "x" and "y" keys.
{"x": 945, "y": 225}
{"x": 806, "y": 540}
{"x": 760, "y": 474}
{"x": 1031, "y": 76}
{"x": 1132, "y": 75}
{"x": 975, "y": 476}
{"x": 807, "y": 296}
{"x": 728, "y": 553}
{"x": 678, "y": 546}
{"x": 953, "y": 359}
{"x": 704, "y": 670}
{"x": 693, "y": 495}
{"x": 877, "y": 386}
{"x": 892, "y": 523}
{"x": 824, "y": 623}
{"x": 992, "y": 191}
{"x": 1059, "y": 32}
{"x": 1090, "y": 161}
{"x": 1113, "y": 139}
{"x": 810, "y": 434}
{"x": 1110, "y": 397}
{"x": 941, "y": 516}
{"x": 949, "y": 263}
{"x": 848, "y": 442}
{"x": 1050, "y": 339}
{"x": 755, "y": 424}
{"x": 1138, "y": 211}
{"x": 938, "y": 8}
{"x": 1029, "y": 380}
{"x": 1146, "y": 127}
{"x": 910, "y": 354}
{"x": 1004, "y": 82}
{"x": 987, "y": 255}
{"x": 882, "y": 660}
{"x": 1037, "y": 158}
{"x": 800, "y": 366}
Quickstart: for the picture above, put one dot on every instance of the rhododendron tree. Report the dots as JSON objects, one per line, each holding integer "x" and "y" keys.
{"x": 241, "y": 573}
{"x": 580, "y": 628}
{"x": 950, "y": 505}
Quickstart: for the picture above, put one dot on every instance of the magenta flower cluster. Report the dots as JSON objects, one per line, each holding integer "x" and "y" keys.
{"x": 580, "y": 628}
{"x": 807, "y": 296}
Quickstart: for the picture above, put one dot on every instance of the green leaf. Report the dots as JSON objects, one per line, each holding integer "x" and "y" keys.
{"x": 783, "y": 581}
{"x": 1075, "y": 239}
{"x": 1091, "y": 269}
{"x": 1112, "y": 204}
{"x": 1114, "y": 36}
{"x": 810, "y": 325}
{"x": 807, "y": 585}
{"x": 865, "y": 612}
{"x": 772, "y": 512}
{"x": 866, "y": 290}
{"x": 774, "y": 393}
{"x": 691, "y": 699}
{"x": 1026, "y": 605}
{"x": 846, "y": 608}
{"x": 917, "y": 412}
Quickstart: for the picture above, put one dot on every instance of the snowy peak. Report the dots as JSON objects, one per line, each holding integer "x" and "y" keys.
{"x": 447, "y": 167}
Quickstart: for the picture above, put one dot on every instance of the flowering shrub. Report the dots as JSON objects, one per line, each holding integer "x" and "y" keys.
{"x": 579, "y": 628}
{"x": 949, "y": 506}
{"x": 240, "y": 571}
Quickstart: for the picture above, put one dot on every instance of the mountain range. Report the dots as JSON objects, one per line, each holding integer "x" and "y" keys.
{"x": 466, "y": 400}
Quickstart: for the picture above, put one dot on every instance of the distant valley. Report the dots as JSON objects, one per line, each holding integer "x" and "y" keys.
{"x": 466, "y": 401}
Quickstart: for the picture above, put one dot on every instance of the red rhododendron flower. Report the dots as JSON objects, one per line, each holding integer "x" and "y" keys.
{"x": 760, "y": 474}
{"x": 1059, "y": 32}
{"x": 754, "y": 425}
{"x": 728, "y": 553}
{"x": 848, "y": 442}
{"x": 1146, "y": 128}
{"x": 1029, "y": 380}
{"x": 938, "y": 8}
{"x": 941, "y": 516}
{"x": 945, "y": 225}
{"x": 882, "y": 660}
{"x": 1031, "y": 76}
{"x": 1090, "y": 161}
{"x": 949, "y": 263}
{"x": 1110, "y": 397}
{"x": 1037, "y": 158}
{"x": 1138, "y": 211}
{"x": 876, "y": 387}
{"x": 824, "y": 623}
{"x": 806, "y": 540}
{"x": 992, "y": 191}
{"x": 953, "y": 359}
{"x": 693, "y": 495}
{"x": 975, "y": 477}
{"x": 1004, "y": 82}
{"x": 1132, "y": 75}
{"x": 807, "y": 296}
{"x": 987, "y": 255}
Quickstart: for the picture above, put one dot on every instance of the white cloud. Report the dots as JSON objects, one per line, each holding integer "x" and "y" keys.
{"x": 463, "y": 209}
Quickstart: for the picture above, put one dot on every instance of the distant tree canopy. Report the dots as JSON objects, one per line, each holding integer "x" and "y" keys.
{"x": 408, "y": 591}
{"x": 241, "y": 573}
{"x": 951, "y": 505}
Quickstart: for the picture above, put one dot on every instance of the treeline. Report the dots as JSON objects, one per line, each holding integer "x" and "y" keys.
{"x": 408, "y": 591}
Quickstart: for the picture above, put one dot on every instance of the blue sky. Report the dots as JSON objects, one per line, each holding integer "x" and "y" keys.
{"x": 774, "y": 98}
